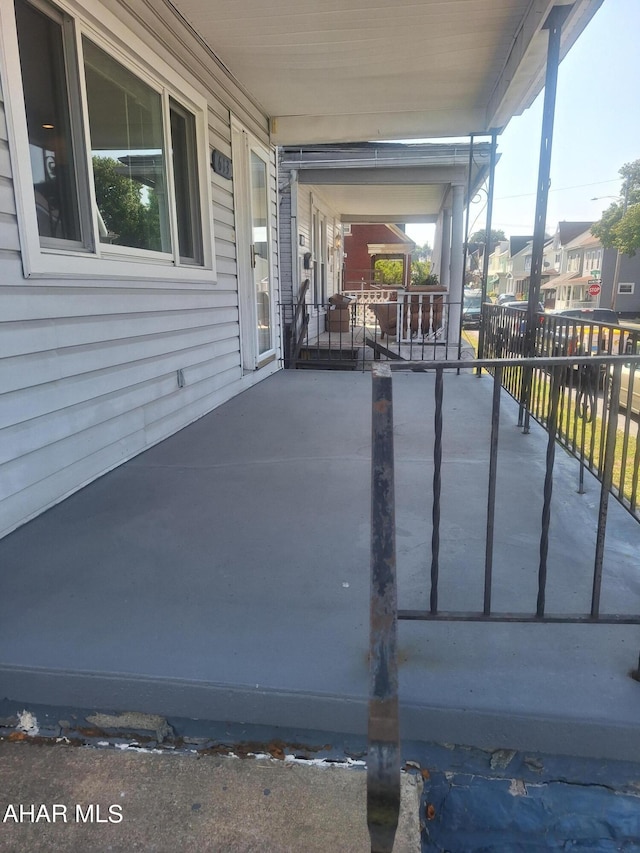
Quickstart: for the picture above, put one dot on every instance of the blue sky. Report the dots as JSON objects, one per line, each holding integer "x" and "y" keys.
{"x": 597, "y": 130}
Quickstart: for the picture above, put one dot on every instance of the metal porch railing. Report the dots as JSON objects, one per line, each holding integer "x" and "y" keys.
{"x": 383, "y": 773}
{"x": 413, "y": 327}
{"x": 585, "y": 391}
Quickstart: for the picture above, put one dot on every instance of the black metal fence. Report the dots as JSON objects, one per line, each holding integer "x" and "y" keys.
{"x": 383, "y": 766}
{"x": 370, "y": 325}
{"x": 586, "y": 400}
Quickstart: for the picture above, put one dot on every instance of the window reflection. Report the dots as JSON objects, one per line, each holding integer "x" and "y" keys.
{"x": 48, "y": 124}
{"x": 127, "y": 151}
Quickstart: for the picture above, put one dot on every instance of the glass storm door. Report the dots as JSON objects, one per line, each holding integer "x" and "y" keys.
{"x": 260, "y": 254}
{"x": 251, "y": 175}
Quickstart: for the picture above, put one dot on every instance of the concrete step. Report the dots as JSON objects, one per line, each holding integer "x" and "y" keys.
{"x": 67, "y": 799}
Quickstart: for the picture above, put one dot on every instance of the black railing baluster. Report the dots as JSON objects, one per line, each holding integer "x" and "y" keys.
{"x": 383, "y": 761}
{"x": 626, "y": 433}
{"x": 552, "y": 419}
{"x": 558, "y": 366}
{"x": 636, "y": 458}
{"x": 607, "y": 478}
{"x": 300, "y": 314}
{"x": 437, "y": 485}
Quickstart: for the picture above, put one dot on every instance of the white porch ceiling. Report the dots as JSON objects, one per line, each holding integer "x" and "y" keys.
{"x": 384, "y": 203}
{"x": 387, "y": 182}
{"x": 350, "y": 70}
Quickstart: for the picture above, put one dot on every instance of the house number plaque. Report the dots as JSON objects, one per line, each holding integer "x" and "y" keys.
{"x": 221, "y": 164}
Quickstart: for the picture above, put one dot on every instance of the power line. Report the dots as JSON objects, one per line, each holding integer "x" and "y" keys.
{"x": 560, "y": 189}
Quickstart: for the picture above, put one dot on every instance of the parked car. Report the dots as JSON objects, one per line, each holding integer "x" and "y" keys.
{"x": 587, "y": 336}
{"x": 471, "y": 308}
{"x": 625, "y": 379}
{"x": 630, "y": 375}
{"x": 584, "y": 331}
{"x": 590, "y": 315}
{"x": 510, "y": 330}
{"x": 505, "y": 297}
{"x": 521, "y": 305}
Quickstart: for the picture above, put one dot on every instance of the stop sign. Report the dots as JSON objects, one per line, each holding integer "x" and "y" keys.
{"x": 594, "y": 289}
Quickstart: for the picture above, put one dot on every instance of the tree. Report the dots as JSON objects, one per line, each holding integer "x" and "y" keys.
{"x": 129, "y": 219}
{"x": 419, "y": 271}
{"x": 422, "y": 253}
{"x": 389, "y": 271}
{"x": 619, "y": 227}
{"x": 480, "y": 237}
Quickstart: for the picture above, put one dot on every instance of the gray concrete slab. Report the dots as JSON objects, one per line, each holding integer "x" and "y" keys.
{"x": 224, "y": 575}
{"x": 160, "y": 803}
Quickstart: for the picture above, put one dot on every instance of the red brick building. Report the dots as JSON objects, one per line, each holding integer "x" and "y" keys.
{"x": 368, "y": 243}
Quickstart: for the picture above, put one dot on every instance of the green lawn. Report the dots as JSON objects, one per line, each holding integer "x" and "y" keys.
{"x": 578, "y": 429}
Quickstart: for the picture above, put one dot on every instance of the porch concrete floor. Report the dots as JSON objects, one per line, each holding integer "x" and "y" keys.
{"x": 224, "y": 575}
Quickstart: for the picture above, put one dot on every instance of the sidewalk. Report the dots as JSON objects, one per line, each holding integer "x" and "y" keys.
{"x": 90, "y": 800}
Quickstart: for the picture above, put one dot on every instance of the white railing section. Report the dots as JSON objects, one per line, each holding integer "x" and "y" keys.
{"x": 418, "y": 315}
{"x": 379, "y": 296}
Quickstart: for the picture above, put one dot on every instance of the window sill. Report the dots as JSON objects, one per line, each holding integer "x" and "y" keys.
{"x": 59, "y": 265}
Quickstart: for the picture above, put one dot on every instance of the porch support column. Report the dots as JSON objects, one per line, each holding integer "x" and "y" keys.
{"x": 554, "y": 23}
{"x": 456, "y": 262}
{"x": 445, "y": 258}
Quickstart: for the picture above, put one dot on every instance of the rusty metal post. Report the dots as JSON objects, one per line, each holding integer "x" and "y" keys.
{"x": 383, "y": 762}
{"x": 607, "y": 479}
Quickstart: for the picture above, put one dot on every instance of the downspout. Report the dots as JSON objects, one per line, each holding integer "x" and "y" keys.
{"x": 445, "y": 257}
{"x": 487, "y": 234}
{"x": 456, "y": 276}
{"x": 295, "y": 283}
{"x": 436, "y": 254}
{"x": 295, "y": 273}
{"x": 466, "y": 243}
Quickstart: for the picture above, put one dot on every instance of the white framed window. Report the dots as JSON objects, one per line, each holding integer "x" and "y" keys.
{"x": 627, "y": 287}
{"x": 109, "y": 151}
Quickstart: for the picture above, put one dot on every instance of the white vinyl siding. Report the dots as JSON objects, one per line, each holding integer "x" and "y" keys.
{"x": 310, "y": 199}
{"x": 88, "y": 369}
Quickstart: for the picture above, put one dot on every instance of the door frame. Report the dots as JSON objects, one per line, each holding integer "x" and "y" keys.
{"x": 242, "y": 144}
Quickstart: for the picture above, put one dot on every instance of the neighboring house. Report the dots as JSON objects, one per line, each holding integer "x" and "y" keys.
{"x": 579, "y": 267}
{"x": 519, "y": 265}
{"x": 581, "y": 262}
{"x": 521, "y": 268}
{"x": 498, "y": 271}
{"x": 365, "y": 244}
{"x": 139, "y": 198}
{"x": 626, "y": 298}
{"x": 337, "y": 203}
{"x": 556, "y": 260}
